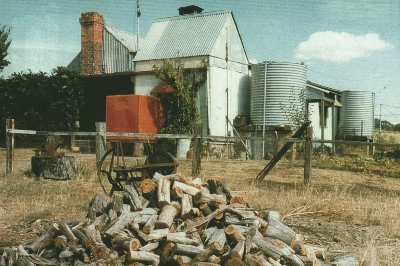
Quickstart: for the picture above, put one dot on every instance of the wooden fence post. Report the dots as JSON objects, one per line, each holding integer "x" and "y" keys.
{"x": 9, "y": 146}
{"x": 197, "y": 147}
{"x": 308, "y": 157}
{"x": 100, "y": 140}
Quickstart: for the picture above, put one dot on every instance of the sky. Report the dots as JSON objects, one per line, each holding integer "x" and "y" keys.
{"x": 345, "y": 44}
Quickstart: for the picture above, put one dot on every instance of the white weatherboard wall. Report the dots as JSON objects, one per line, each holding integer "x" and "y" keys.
{"x": 315, "y": 118}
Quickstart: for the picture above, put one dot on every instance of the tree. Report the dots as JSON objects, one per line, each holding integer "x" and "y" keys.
{"x": 43, "y": 102}
{"x": 4, "y": 45}
{"x": 182, "y": 113}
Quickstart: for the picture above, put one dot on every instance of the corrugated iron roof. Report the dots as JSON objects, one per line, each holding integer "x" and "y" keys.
{"x": 127, "y": 39}
{"x": 182, "y": 36}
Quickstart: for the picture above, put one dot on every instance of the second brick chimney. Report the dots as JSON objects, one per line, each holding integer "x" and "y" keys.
{"x": 92, "y": 24}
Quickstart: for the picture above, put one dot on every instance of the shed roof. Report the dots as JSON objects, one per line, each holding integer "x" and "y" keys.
{"x": 127, "y": 39}
{"x": 183, "y": 36}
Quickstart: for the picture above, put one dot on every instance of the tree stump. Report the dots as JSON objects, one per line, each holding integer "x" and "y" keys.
{"x": 54, "y": 167}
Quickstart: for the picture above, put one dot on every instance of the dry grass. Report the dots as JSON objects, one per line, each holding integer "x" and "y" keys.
{"x": 342, "y": 210}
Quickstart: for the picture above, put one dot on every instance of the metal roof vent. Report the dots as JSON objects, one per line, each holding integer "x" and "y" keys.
{"x": 190, "y": 10}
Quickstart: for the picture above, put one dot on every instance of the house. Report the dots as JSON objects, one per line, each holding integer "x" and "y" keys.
{"x": 210, "y": 40}
{"x": 194, "y": 38}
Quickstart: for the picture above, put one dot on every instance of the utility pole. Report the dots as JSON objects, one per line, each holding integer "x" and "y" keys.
{"x": 380, "y": 120}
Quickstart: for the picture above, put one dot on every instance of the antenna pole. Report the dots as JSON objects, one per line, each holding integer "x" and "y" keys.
{"x": 137, "y": 24}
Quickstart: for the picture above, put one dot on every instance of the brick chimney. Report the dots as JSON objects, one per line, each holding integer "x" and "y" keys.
{"x": 92, "y": 24}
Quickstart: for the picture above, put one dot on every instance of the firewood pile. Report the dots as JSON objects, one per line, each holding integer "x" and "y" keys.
{"x": 172, "y": 220}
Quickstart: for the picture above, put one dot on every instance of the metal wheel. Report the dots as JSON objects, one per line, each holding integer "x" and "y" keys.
{"x": 105, "y": 167}
{"x": 157, "y": 158}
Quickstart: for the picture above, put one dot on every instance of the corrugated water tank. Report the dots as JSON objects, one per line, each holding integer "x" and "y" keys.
{"x": 276, "y": 90}
{"x": 357, "y": 113}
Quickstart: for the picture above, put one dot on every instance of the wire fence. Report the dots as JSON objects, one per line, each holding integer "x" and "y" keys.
{"x": 90, "y": 146}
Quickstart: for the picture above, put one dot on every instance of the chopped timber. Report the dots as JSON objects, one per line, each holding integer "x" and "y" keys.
{"x": 143, "y": 256}
{"x": 150, "y": 223}
{"x": 211, "y": 199}
{"x": 187, "y": 205}
{"x": 166, "y": 217}
{"x": 133, "y": 196}
{"x": 147, "y": 186}
{"x": 213, "y": 249}
{"x": 45, "y": 239}
{"x": 234, "y": 234}
{"x": 182, "y": 238}
{"x": 278, "y": 230}
{"x": 186, "y": 188}
{"x": 163, "y": 192}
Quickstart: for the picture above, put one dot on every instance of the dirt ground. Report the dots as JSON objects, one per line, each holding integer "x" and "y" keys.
{"x": 368, "y": 240}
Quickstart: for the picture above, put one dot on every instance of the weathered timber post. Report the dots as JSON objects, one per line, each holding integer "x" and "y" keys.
{"x": 100, "y": 140}
{"x": 9, "y": 146}
{"x": 308, "y": 157}
{"x": 197, "y": 147}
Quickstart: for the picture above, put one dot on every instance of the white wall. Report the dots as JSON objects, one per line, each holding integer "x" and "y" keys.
{"x": 314, "y": 116}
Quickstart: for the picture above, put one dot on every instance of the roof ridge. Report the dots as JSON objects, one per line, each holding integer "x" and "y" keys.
{"x": 188, "y": 16}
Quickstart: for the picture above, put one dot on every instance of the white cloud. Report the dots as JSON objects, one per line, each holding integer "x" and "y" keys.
{"x": 339, "y": 46}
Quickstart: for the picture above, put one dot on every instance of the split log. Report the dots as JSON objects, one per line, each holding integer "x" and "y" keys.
{"x": 117, "y": 202}
{"x": 177, "y": 206}
{"x": 188, "y": 250}
{"x": 45, "y": 239}
{"x": 256, "y": 260}
{"x": 68, "y": 232}
{"x": 320, "y": 252}
{"x": 182, "y": 238}
{"x": 166, "y": 217}
{"x": 214, "y": 259}
{"x": 211, "y": 199}
{"x": 150, "y": 247}
{"x": 231, "y": 218}
{"x": 163, "y": 192}
{"x": 209, "y": 217}
{"x": 202, "y": 263}
{"x": 219, "y": 187}
{"x": 83, "y": 240}
{"x": 280, "y": 231}
{"x": 123, "y": 220}
{"x": 143, "y": 256}
{"x": 150, "y": 223}
{"x": 171, "y": 177}
{"x": 195, "y": 212}
{"x": 238, "y": 200}
{"x": 187, "y": 205}
{"x": 92, "y": 234}
{"x": 176, "y": 193}
{"x": 100, "y": 203}
{"x": 61, "y": 242}
{"x": 217, "y": 236}
{"x": 154, "y": 235}
{"x": 186, "y": 188}
{"x": 147, "y": 186}
{"x": 205, "y": 209}
{"x": 341, "y": 258}
{"x": 121, "y": 240}
{"x": 182, "y": 259}
{"x": 234, "y": 234}
{"x": 133, "y": 196}
{"x": 213, "y": 249}
{"x": 76, "y": 222}
{"x": 168, "y": 252}
{"x": 145, "y": 202}
{"x": 273, "y": 215}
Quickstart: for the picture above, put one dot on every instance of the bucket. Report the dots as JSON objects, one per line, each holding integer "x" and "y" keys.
{"x": 183, "y": 147}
